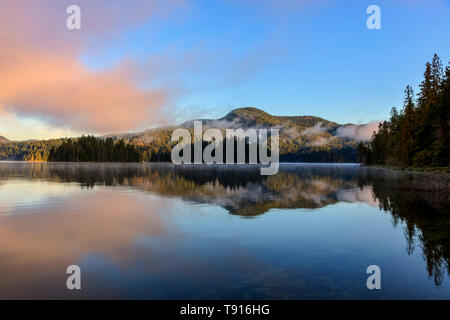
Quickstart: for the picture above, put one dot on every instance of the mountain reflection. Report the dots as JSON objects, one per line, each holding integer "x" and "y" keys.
{"x": 241, "y": 191}
{"x": 244, "y": 192}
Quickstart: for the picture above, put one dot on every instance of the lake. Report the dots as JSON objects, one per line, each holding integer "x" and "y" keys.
{"x": 159, "y": 231}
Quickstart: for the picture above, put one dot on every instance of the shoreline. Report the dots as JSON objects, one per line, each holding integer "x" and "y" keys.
{"x": 410, "y": 169}
{"x": 435, "y": 180}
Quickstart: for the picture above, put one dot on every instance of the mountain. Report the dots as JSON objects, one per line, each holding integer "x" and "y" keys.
{"x": 255, "y": 118}
{"x": 302, "y": 138}
{"x": 3, "y": 140}
{"x": 290, "y": 126}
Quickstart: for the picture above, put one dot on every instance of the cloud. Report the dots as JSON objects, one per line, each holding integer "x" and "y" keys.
{"x": 322, "y": 141}
{"x": 292, "y": 133}
{"x": 41, "y": 74}
{"x": 66, "y": 92}
{"x": 364, "y": 195}
{"x": 316, "y": 130}
{"x": 357, "y": 132}
{"x": 319, "y": 136}
{"x": 23, "y": 128}
{"x": 41, "y": 251}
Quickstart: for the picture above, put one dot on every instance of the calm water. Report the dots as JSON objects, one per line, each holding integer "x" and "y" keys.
{"x": 165, "y": 232}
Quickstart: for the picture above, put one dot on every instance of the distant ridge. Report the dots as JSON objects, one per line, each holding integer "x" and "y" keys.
{"x": 254, "y": 117}
{"x": 302, "y": 138}
{"x": 3, "y": 140}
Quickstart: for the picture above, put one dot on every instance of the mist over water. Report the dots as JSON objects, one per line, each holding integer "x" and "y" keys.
{"x": 160, "y": 231}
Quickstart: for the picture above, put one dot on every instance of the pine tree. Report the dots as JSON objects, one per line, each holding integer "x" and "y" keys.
{"x": 442, "y": 123}
{"x": 406, "y": 143}
{"x": 419, "y": 134}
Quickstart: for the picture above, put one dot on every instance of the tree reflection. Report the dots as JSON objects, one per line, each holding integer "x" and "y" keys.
{"x": 241, "y": 190}
{"x": 425, "y": 214}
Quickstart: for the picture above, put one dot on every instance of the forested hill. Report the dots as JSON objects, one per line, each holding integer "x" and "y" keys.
{"x": 27, "y": 150}
{"x": 3, "y": 140}
{"x": 302, "y": 138}
{"x": 418, "y": 134}
{"x": 255, "y": 118}
{"x": 92, "y": 149}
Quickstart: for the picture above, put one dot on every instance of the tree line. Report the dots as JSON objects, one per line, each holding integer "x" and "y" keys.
{"x": 28, "y": 150}
{"x": 92, "y": 149}
{"x": 418, "y": 134}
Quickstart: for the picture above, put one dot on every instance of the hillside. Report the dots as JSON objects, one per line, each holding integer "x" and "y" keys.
{"x": 416, "y": 136}
{"x": 256, "y": 118}
{"x": 302, "y": 138}
{"x": 293, "y": 127}
{"x": 3, "y": 140}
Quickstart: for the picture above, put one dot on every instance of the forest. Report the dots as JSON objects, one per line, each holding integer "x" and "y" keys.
{"x": 417, "y": 135}
{"x": 28, "y": 150}
{"x": 92, "y": 149}
{"x": 154, "y": 145}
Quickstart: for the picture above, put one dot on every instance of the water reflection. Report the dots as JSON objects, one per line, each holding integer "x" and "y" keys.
{"x": 49, "y": 214}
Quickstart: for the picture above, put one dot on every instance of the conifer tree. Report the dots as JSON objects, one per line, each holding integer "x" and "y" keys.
{"x": 418, "y": 135}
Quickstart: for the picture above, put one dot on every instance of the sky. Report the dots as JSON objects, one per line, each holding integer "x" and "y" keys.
{"x": 138, "y": 64}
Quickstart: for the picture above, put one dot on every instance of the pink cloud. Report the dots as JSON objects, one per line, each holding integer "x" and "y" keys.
{"x": 41, "y": 74}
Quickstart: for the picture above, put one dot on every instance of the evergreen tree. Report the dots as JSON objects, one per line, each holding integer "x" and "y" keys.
{"x": 441, "y": 145}
{"x": 92, "y": 149}
{"x": 406, "y": 143}
{"x": 417, "y": 135}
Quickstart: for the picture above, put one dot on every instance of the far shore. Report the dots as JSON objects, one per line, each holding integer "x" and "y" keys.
{"x": 411, "y": 169}
{"x": 445, "y": 170}
{"x": 413, "y": 179}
